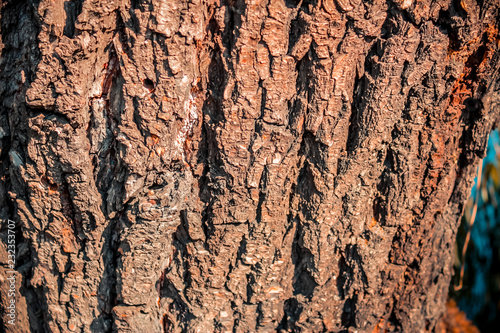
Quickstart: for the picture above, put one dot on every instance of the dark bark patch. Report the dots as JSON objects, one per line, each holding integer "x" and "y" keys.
{"x": 73, "y": 8}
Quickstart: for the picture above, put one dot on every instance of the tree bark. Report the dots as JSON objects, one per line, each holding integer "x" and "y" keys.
{"x": 240, "y": 166}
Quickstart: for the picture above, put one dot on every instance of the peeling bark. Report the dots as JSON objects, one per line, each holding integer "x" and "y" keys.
{"x": 240, "y": 166}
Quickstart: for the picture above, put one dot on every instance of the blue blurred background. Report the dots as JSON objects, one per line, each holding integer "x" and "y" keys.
{"x": 479, "y": 296}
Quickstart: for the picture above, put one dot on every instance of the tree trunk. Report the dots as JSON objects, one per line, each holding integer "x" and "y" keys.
{"x": 240, "y": 166}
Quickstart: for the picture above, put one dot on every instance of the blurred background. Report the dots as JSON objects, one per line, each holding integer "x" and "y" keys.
{"x": 476, "y": 284}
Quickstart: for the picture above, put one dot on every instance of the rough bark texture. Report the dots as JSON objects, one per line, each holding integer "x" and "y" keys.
{"x": 240, "y": 166}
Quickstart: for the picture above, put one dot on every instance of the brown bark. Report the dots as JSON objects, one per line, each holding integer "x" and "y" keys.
{"x": 246, "y": 166}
